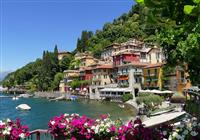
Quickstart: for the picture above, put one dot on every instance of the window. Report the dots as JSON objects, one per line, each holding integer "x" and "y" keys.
{"x": 136, "y": 80}
{"x": 105, "y": 76}
{"x": 148, "y": 72}
{"x": 157, "y": 55}
{"x": 155, "y": 71}
{"x": 150, "y": 57}
{"x": 143, "y": 55}
{"x": 155, "y": 83}
{"x": 105, "y": 83}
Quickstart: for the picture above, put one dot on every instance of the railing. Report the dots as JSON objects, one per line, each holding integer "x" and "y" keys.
{"x": 40, "y": 134}
{"x": 137, "y": 73}
{"x": 109, "y": 95}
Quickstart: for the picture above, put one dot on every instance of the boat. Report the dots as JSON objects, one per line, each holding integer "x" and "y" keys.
{"x": 73, "y": 97}
{"x": 15, "y": 98}
{"x": 23, "y": 107}
{"x": 121, "y": 105}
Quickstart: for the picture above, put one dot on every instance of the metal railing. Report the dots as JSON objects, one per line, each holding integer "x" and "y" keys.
{"x": 40, "y": 134}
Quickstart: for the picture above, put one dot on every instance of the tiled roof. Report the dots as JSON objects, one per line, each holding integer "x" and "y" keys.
{"x": 154, "y": 65}
{"x": 64, "y": 52}
{"x": 111, "y": 45}
{"x": 68, "y": 71}
{"x": 104, "y": 67}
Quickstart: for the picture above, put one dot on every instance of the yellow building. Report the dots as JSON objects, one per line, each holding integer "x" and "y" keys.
{"x": 62, "y": 86}
{"x": 156, "y": 78}
{"x": 62, "y": 54}
{"x": 86, "y": 59}
{"x": 102, "y": 75}
{"x": 69, "y": 75}
{"x": 153, "y": 76}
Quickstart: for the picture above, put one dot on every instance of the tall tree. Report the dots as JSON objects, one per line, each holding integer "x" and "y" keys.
{"x": 82, "y": 43}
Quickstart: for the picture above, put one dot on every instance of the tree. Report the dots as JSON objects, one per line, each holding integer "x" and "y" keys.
{"x": 65, "y": 63}
{"x": 178, "y": 31}
{"x": 82, "y": 43}
{"x": 55, "y": 84}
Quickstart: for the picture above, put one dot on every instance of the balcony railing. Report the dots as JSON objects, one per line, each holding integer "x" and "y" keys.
{"x": 123, "y": 73}
{"x": 96, "y": 79}
{"x": 138, "y": 73}
{"x": 40, "y": 134}
{"x": 109, "y": 95}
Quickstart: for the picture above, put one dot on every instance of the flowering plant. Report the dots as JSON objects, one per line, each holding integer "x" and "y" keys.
{"x": 81, "y": 127}
{"x": 135, "y": 130}
{"x": 13, "y": 130}
{"x": 186, "y": 131}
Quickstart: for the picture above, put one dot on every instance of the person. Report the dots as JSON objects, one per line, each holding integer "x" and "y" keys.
{"x": 183, "y": 107}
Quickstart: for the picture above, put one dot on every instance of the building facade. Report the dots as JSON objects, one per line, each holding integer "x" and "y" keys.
{"x": 102, "y": 77}
{"x": 63, "y": 54}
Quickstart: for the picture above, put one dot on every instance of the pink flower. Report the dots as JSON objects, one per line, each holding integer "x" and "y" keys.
{"x": 15, "y": 133}
{"x": 112, "y": 128}
{"x": 73, "y": 138}
{"x": 104, "y": 116}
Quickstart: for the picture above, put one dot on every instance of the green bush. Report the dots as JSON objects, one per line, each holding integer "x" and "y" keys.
{"x": 193, "y": 108}
{"x": 149, "y": 100}
{"x": 127, "y": 97}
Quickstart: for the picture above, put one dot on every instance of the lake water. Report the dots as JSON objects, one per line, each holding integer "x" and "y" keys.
{"x": 42, "y": 110}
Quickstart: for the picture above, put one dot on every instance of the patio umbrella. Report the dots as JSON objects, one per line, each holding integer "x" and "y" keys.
{"x": 167, "y": 91}
{"x": 156, "y": 91}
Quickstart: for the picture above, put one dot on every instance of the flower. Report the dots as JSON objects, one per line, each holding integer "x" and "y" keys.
{"x": 185, "y": 132}
{"x": 13, "y": 130}
{"x": 193, "y": 133}
{"x": 22, "y": 135}
{"x": 164, "y": 133}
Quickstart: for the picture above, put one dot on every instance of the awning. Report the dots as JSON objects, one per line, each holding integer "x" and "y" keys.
{"x": 123, "y": 78}
{"x": 116, "y": 90}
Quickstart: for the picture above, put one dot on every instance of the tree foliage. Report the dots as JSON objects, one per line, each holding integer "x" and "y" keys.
{"x": 38, "y": 75}
{"x": 179, "y": 32}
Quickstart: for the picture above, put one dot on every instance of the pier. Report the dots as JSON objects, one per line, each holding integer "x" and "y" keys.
{"x": 6, "y": 97}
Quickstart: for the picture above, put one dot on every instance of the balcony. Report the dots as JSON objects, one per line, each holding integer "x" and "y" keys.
{"x": 96, "y": 79}
{"x": 123, "y": 73}
{"x": 138, "y": 73}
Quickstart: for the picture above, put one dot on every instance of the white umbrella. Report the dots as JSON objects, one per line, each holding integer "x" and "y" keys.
{"x": 156, "y": 91}
{"x": 148, "y": 91}
{"x": 167, "y": 91}
{"x": 142, "y": 91}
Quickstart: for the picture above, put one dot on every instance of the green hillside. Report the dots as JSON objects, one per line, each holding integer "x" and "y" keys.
{"x": 173, "y": 25}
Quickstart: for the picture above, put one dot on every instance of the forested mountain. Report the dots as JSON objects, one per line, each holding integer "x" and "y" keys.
{"x": 133, "y": 24}
{"x": 173, "y": 25}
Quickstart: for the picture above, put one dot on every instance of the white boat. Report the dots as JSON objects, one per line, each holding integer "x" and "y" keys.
{"x": 23, "y": 107}
{"x": 15, "y": 98}
{"x": 121, "y": 105}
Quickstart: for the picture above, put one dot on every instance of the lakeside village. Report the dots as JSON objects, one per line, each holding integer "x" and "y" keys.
{"x": 132, "y": 72}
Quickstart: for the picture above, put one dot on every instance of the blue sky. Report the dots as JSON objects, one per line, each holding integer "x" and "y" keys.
{"x": 30, "y": 26}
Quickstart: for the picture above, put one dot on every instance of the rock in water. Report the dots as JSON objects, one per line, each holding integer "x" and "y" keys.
{"x": 23, "y": 107}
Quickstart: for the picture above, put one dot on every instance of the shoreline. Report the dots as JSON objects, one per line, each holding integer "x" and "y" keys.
{"x": 131, "y": 109}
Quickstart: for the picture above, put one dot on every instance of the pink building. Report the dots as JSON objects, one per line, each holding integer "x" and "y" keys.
{"x": 86, "y": 74}
{"x": 125, "y": 58}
